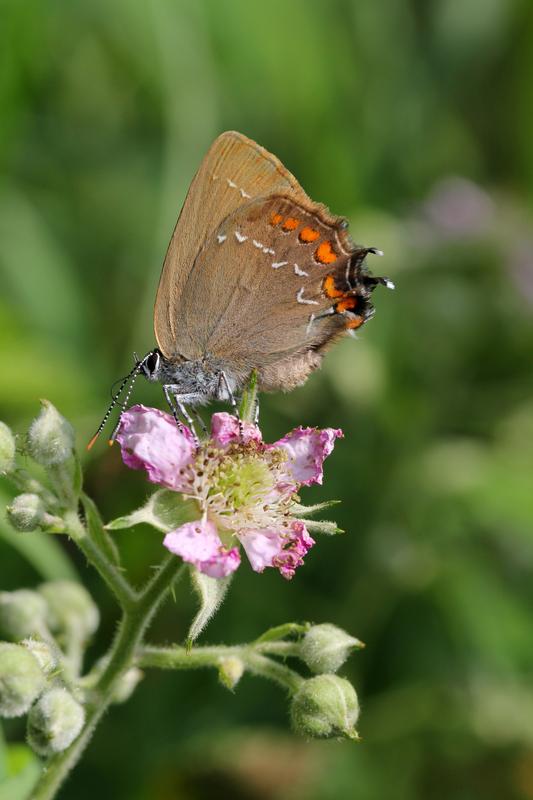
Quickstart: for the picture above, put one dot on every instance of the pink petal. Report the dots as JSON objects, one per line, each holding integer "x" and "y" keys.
{"x": 261, "y": 546}
{"x": 307, "y": 449}
{"x": 284, "y": 550}
{"x": 198, "y": 543}
{"x": 151, "y": 440}
{"x": 225, "y": 430}
{"x": 295, "y": 548}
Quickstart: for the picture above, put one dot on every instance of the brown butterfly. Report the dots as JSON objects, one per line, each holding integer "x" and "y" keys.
{"x": 257, "y": 276}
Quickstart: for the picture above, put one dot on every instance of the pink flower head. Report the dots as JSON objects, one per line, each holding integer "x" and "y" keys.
{"x": 151, "y": 440}
{"x": 245, "y": 489}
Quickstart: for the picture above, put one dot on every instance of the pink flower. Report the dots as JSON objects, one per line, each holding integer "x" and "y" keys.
{"x": 245, "y": 489}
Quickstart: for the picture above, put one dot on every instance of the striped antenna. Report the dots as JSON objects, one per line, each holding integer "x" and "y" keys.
{"x": 132, "y": 377}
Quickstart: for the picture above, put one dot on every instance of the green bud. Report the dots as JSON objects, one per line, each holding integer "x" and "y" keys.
{"x": 22, "y": 613}
{"x": 54, "y": 722}
{"x": 21, "y": 680}
{"x": 325, "y": 706}
{"x": 7, "y": 449}
{"x": 42, "y": 652}
{"x": 126, "y": 685}
{"x": 325, "y": 648}
{"x": 51, "y": 437}
{"x": 70, "y": 608}
{"x": 230, "y": 671}
{"x": 26, "y": 512}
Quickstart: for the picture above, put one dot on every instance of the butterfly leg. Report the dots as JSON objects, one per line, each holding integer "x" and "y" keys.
{"x": 256, "y": 412}
{"x": 175, "y": 403}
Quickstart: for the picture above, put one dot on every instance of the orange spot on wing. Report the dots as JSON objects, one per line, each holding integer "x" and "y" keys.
{"x": 354, "y": 323}
{"x": 329, "y": 288}
{"x": 308, "y": 235}
{"x": 348, "y": 304}
{"x": 275, "y": 219}
{"x": 325, "y": 253}
{"x": 290, "y": 224}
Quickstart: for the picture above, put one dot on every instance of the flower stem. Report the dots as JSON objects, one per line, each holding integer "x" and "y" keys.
{"x": 253, "y": 660}
{"x": 133, "y": 626}
{"x": 123, "y": 591}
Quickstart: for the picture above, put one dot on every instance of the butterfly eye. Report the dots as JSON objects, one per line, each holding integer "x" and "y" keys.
{"x": 150, "y": 365}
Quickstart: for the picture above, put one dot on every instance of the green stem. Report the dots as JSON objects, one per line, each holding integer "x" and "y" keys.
{"x": 133, "y": 626}
{"x": 124, "y": 593}
{"x": 255, "y": 662}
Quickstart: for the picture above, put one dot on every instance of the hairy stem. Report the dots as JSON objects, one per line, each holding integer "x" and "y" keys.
{"x": 122, "y": 656}
{"x": 252, "y": 657}
{"x": 123, "y": 591}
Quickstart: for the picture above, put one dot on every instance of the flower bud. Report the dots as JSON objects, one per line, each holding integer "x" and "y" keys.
{"x": 325, "y": 706}
{"x": 54, "y": 722}
{"x": 21, "y": 680}
{"x": 230, "y": 671}
{"x": 325, "y": 648}
{"x": 22, "y": 613}
{"x": 7, "y": 449}
{"x": 44, "y": 654}
{"x": 51, "y": 437}
{"x": 26, "y": 512}
{"x": 70, "y": 608}
{"x": 126, "y": 685}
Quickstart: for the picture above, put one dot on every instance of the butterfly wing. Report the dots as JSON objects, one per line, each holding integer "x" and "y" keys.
{"x": 234, "y": 172}
{"x": 268, "y": 271}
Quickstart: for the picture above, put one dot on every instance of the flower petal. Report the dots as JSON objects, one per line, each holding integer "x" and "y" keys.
{"x": 307, "y": 448}
{"x": 283, "y": 549}
{"x": 261, "y": 546}
{"x": 198, "y": 543}
{"x": 295, "y": 548}
{"x": 226, "y": 429}
{"x": 151, "y": 440}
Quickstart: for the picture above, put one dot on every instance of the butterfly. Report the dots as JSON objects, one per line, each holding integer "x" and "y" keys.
{"x": 257, "y": 278}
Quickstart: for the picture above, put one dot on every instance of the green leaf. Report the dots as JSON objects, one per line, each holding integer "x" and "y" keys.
{"x": 306, "y": 511}
{"x": 322, "y": 526}
{"x": 249, "y": 400}
{"x": 211, "y": 593}
{"x": 165, "y": 510}
{"x": 24, "y": 769}
{"x": 282, "y": 631}
{"x": 97, "y": 531}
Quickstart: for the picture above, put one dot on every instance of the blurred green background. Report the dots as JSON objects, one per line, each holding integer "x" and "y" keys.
{"x": 415, "y": 120}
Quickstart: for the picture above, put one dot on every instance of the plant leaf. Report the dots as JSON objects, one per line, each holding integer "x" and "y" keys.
{"x": 306, "y": 511}
{"x": 211, "y": 593}
{"x": 322, "y": 526}
{"x": 282, "y": 631}
{"x": 164, "y": 510}
{"x": 97, "y": 530}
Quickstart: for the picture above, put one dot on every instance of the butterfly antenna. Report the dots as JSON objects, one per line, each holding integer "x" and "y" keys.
{"x": 131, "y": 377}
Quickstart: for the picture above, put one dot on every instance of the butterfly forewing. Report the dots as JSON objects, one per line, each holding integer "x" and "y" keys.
{"x": 234, "y": 172}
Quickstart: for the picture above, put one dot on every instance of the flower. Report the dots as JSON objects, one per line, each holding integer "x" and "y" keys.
{"x": 246, "y": 490}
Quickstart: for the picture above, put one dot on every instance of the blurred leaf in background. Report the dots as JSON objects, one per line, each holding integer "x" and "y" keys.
{"x": 416, "y": 121}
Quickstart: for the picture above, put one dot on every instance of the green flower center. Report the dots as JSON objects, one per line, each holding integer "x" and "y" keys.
{"x": 242, "y": 480}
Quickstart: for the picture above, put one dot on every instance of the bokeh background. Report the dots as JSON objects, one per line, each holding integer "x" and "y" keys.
{"x": 415, "y": 120}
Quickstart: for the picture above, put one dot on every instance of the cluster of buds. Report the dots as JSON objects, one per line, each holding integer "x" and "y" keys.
{"x": 48, "y": 629}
